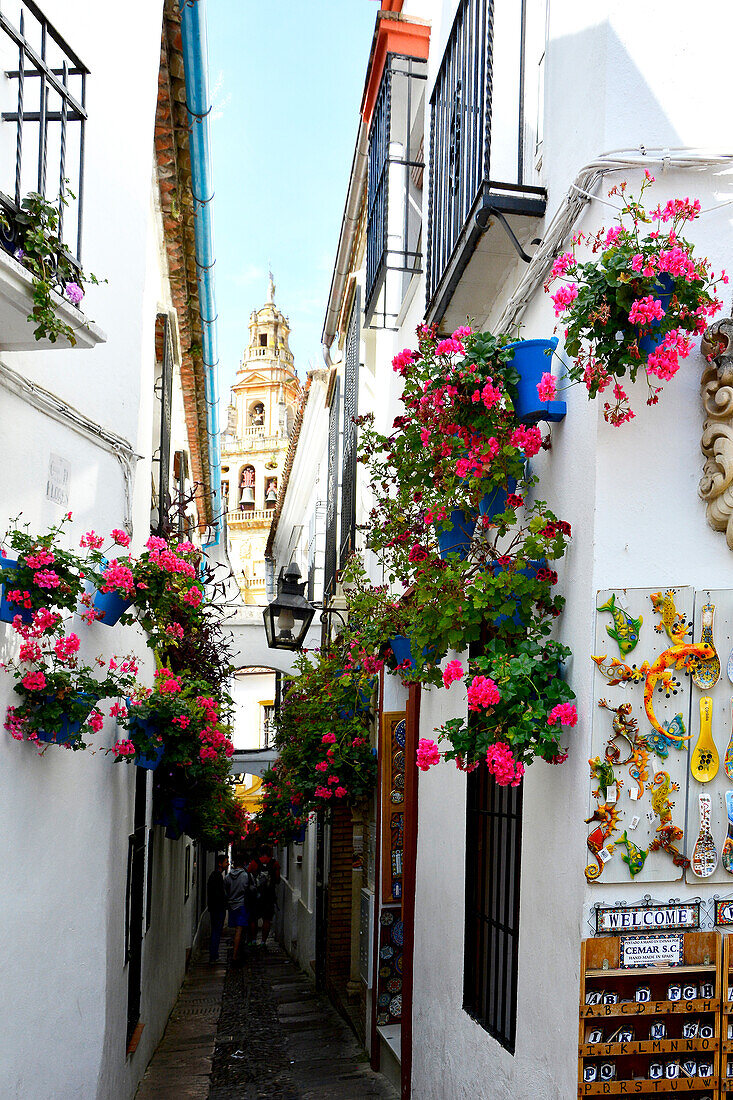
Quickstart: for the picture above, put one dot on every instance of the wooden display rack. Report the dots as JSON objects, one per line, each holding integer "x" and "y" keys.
{"x": 726, "y": 1082}
{"x": 600, "y": 971}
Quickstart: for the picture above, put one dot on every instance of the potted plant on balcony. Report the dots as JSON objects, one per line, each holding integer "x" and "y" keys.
{"x": 637, "y": 304}
{"x": 52, "y": 268}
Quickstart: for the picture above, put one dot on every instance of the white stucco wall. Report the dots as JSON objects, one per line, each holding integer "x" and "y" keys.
{"x": 65, "y": 817}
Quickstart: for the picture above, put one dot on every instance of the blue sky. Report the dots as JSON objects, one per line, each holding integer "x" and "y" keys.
{"x": 286, "y": 80}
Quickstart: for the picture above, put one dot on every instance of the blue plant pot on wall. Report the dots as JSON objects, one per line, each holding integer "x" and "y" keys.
{"x": 533, "y": 358}
{"x": 531, "y": 570}
{"x": 150, "y": 762}
{"x": 67, "y": 730}
{"x": 8, "y": 611}
{"x": 363, "y": 705}
{"x": 148, "y": 729}
{"x": 458, "y": 539}
{"x": 111, "y": 604}
{"x": 175, "y": 817}
{"x": 648, "y": 344}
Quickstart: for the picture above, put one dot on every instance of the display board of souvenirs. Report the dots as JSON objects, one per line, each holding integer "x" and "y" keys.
{"x": 389, "y": 975}
{"x": 661, "y": 765}
{"x": 639, "y": 761}
{"x": 393, "y": 804}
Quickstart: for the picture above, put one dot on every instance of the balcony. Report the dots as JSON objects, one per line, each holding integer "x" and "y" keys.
{"x": 485, "y": 198}
{"x": 394, "y": 188}
{"x": 254, "y": 440}
{"x": 43, "y": 113}
{"x": 257, "y": 517}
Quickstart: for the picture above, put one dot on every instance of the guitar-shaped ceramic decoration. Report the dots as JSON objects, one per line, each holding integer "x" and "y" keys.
{"x": 727, "y": 856}
{"x": 704, "y": 856}
{"x": 728, "y": 762}
{"x": 729, "y": 668}
{"x": 707, "y": 672}
{"x": 704, "y": 761}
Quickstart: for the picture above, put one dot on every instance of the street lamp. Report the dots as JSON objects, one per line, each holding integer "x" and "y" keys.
{"x": 289, "y": 615}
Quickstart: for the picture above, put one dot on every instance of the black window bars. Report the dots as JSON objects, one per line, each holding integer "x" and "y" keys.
{"x": 461, "y": 162}
{"x": 493, "y": 873}
{"x": 44, "y": 133}
{"x": 395, "y": 171}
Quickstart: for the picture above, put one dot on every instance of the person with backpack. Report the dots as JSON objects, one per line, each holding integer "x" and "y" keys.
{"x": 237, "y": 885}
{"x": 265, "y": 873}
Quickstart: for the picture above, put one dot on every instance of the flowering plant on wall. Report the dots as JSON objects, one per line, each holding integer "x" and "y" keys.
{"x": 279, "y": 820}
{"x": 518, "y": 704}
{"x": 638, "y": 302}
{"x": 163, "y": 583}
{"x": 36, "y": 571}
{"x": 59, "y": 691}
{"x": 454, "y": 467}
{"x": 322, "y": 735}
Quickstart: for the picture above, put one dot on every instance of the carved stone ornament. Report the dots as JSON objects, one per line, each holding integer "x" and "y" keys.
{"x": 716, "y": 484}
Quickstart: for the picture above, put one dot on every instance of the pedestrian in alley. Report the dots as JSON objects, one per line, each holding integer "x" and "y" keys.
{"x": 236, "y": 885}
{"x": 216, "y": 900}
{"x": 265, "y": 874}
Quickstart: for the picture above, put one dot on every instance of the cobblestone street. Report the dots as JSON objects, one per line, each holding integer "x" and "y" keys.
{"x": 277, "y": 1039}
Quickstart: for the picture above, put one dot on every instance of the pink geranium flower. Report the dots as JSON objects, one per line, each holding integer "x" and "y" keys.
{"x": 564, "y": 713}
{"x": 546, "y": 388}
{"x": 452, "y": 671}
{"x": 428, "y": 754}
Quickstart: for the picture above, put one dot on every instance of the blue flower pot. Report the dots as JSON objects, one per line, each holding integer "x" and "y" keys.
{"x": 402, "y": 649}
{"x": 175, "y": 817}
{"x": 533, "y": 358}
{"x": 8, "y": 611}
{"x": 363, "y": 705}
{"x": 648, "y": 344}
{"x": 494, "y": 503}
{"x": 68, "y": 730}
{"x": 150, "y": 762}
{"x": 111, "y": 605}
{"x": 458, "y": 540}
{"x": 530, "y": 570}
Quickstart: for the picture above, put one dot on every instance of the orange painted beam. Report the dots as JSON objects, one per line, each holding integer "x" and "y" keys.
{"x": 391, "y": 36}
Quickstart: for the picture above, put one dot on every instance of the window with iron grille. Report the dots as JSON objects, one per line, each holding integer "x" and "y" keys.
{"x": 468, "y": 171}
{"x": 394, "y": 188}
{"x": 45, "y": 97}
{"x": 332, "y": 504}
{"x": 493, "y": 864}
{"x": 164, "y": 390}
{"x": 351, "y": 403}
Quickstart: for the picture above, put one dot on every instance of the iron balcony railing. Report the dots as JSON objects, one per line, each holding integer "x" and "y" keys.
{"x": 44, "y": 91}
{"x": 394, "y": 185}
{"x": 468, "y": 171}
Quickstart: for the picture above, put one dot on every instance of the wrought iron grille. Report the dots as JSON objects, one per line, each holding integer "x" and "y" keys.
{"x": 351, "y": 403}
{"x": 493, "y": 858}
{"x": 46, "y": 86}
{"x": 329, "y": 565}
{"x": 166, "y": 410}
{"x": 394, "y": 184}
{"x": 461, "y": 160}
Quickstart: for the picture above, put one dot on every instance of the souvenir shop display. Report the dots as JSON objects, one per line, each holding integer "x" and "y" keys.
{"x": 629, "y": 1045}
{"x": 661, "y": 762}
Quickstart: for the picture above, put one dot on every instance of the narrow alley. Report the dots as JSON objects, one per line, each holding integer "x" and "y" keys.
{"x": 259, "y": 1032}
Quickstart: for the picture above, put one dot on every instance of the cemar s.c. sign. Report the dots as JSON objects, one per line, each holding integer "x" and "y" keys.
{"x": 651, "y": 951}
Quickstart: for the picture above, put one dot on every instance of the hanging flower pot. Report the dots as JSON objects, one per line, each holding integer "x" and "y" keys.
{"x": 175, "y": 817}
{"x": 458, "y": 539}
{"x": 495, "y": 502}
{"x": 151, "y": 760}
{"x": 530, "y": 570}
{"x": 533, "y": 358}
{"x": 650, "y": 343}
{"x": 68, "y": 728}
{"x": 9, "y": 610}
{"x": 111, "y": 607}
{"x": 362, "y": 706}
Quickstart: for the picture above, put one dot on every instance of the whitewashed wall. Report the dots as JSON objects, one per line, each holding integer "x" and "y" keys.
{"x": 631, "y": 497}
{"x": 65, "y": 817}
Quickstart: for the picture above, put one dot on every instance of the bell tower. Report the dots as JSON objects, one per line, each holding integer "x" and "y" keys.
{"x": 265, "y": 399}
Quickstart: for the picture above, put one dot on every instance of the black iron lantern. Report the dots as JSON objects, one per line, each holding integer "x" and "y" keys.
{"x": 290, "y": 614}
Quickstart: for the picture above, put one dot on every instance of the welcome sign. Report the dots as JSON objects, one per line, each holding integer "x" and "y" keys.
{"x": 651, "y": 951}
{"x": 677, "y": 917}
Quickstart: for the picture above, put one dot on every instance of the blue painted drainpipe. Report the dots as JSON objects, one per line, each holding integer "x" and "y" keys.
{"x": 198, "y": 103}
